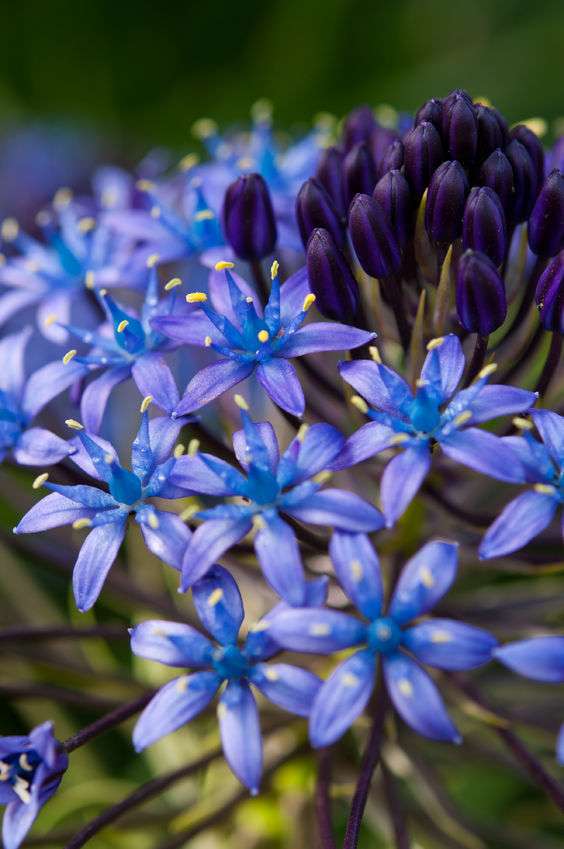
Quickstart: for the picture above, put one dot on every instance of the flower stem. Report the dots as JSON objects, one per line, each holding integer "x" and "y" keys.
{"x": 397, "y": 816}
{"x": 21, "y": 633}
{"x": 260, "y": 280}
{"x": 551, "y": 363}
{"x": 394, "y": 293}
{"x": 323, "y": 800}
{"x": 478, "y": 358}
{"x": 110, "y": 720}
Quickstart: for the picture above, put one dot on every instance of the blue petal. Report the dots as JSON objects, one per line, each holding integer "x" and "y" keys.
{"x": 268, "y": 437}
{"x": 540, "y": 658}
{"x": 94, "y": 456}
{"x": 313, "y": 453}
{"x": 485, "y": 453}
{"x": 417, "y": 699}
{"x": 401, "y": 481}
{"x": 520, "y": 521}
{"x": 163, "y": 433}
{"x": 212, "y": 381}
{"x": 534, "y": 457}
{"x": 280, "y": 381}
{"x": 383, "y": 388}
{"x": 18, "y": 819}
{"x": 208, "y": 543}
{"x": 48, "y": 382}
{"x": 240, "y": 733}
{"x": 358, "y": 570}
{"x": 142, "y": 459}
{"x": 39, "y": 447}
{"x": 96, "y": 395}
{"x": 173, "y": 706}
{"x": 342, "y": 698}
{"x": 219, "y": 605}
{"x": 12, "y": 361}
{"x": 206, "y": 474}
{"x": 497, "y": 400}
{"x": 292, "y": 294}
{"x": 51, "y": 512}
{"x": 551, "y": 427}
{"x": 153, "y": 377}
{"x": 339, "y": 509}
{"x": 316, "y": 630}
{"x": 425, "y": 578}
{"x": 169, "y": 540}
{"x": 171, "y": 643}
{"x": 444, "y": 365}
{"x": 325, "y": 336}
{"x": 94, "y": 561}
{"x": 279, "y": 556}
{"x": 447, "y": 644}
{"x": 560, "y": 745}
{"x": 367, "y": 441}
{"x": 88, "y": 496}
{"x": 291, "y": 688}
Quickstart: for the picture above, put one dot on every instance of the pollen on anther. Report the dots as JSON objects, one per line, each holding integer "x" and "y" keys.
{"x": 40, "y": 480}
{"x": 319, "y": 629}
{"x": 375, "y": 354}
{"x": 204, "y": 215}
{"x": 146, "y": 403}
{"x": 79, "y": 524}
{"x": 73, "y": 424}
{"x": 208, "y": 341}
{"x": 89, "y": 281}
{"x": 350, "y": 680}
{"x": 122, "y": 325}
{"x": 463, "y": 417}
{"x": 188, "y": 162}
{"x": 85, "y": 225}
{"x": 487, "y": 370}
{"x": 302, "y": 432}
{"x": 196, "y": 297}
{"x": 405, "y": 687}
{"x": 178, "y": 451}
{"x": 224, "y": 265}
{"x": 50, "y": 319}
{"x": 359, "y": 403}
{"x": 69, "y": 356}
{"x": 172, "y": 284}
{"x": 240, "y": 402}
{"x": 215, "y": 597}
{"x": 152, "y": 260}
{"x": 309, "y": 300}
{"x": 440, "y": 637}
{"x": 193, "y": 447}
{"x": 356, "y": 569}
{"x": 271, "y": 674}
{"x": 544, "y": 488}
{"x": 274, "y": 269}
{"x": 426, "y": 577}
{"x": 522, "y": 424}
{"x": 153, "y": 521}
{"x": 263, "y": 336}
{"x": 9, "y": 229}
{"x": 435, "y": 343}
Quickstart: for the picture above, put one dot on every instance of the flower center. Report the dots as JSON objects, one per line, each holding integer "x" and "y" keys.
{"x": 230, "y": 662}
{"x": 384, "y": 635}
{"x": 18, "y": 769}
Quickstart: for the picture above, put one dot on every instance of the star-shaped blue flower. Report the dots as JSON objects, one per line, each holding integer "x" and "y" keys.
{"x": 434, "y": 414}
{"x": 442, "y": 643}
{"x": 31, "y": 769}
{"x": 223, "y": 661}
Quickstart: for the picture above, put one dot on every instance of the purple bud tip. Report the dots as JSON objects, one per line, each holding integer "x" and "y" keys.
{"x": 484, "y": 227}
{"x": 330, "y": 278}
{"x": 431, "y": 111}
{"x": 248, "y": 218}
{"x": 492, "y": 131}
{"x": 393, "y": 194}
{"x": 392, "y": 160}
{"x": 497, "y": 173}
{"x": 330, "y": 175}
{"x": 460, "y": 127}
{"x": 314, "y": 208}
{"x": 380, "y": 141}
{"x": 359, "y": 172}
{"x": 546, "y": 224}
{"x": 358, "y": 126}
{"x": 549, "y": 295}
{"x": 445, "y": 202}
{"x": 524, "y": 180}
{"x": 480, "y": 294}
{"x": 423, "y": 153}
{"x": 373, "y": 238}
{"x": 533, "y": 146}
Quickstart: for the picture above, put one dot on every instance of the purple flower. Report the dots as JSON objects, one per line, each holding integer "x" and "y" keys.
{"x": 442, "y": 643}
{"x": 106, "y": 512}
{"x": 271, "y": 485}
{"x": 251, "y": 339}
{"x": 31, "y": 769}
{"x": 240, "y": 667}
{"x": 542, "y": 464}
{"x": 434, "y": 414}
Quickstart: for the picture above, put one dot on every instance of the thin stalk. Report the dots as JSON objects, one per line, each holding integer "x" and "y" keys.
{"x": 260, "y": 280}
{"x": 323, "y": 801}
{"x": 59, "y": 695}
{"x": 110, "y": 720}
{"x": 478, "y": 358}
{"x": 23, "y": 633}
{"x": 550, "y": 367}
{"x": 394, "y": 292}
{"x": 398, "y": 818}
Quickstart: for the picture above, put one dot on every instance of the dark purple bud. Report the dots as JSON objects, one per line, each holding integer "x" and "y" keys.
{"x": 392, "y": 159}
{"x": 432, "y": 111}
{"x": 480, "y": 294}
{"x": 524, "y": 180}
{"x": 445, "y": 202}
{"x": 484, "y": 228}
{"x": 546, "y": 224}
{"x": 549, "y": 294}
{"x": 490, "y": 132}
{"x": 456, "y": 94}
{"x": 557, "y": 153}
{"x": 423, "y": 153}
{"x": 358, "y": 126}
{"x": 330, "y": 175}
{"x": 330, "y": 278}
{"x": 380, "y": 141}
{"x": 497, "y": 173}
{"x": 393, "y": 194}
{"x": 359, "y": 172}
{"x": 533, "y": 146}
{"x": 248, "y": 217}
{"x": 460, "y": 127}
{"x": 373, "y": 238}
{"x": 314, "y": 208}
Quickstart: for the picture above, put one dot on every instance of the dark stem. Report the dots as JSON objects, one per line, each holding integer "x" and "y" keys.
{"x": 398, "y": 817}
{"x": 20, "y": 633}
{"x": 115, "y": 717}
{"x": 394, "y": 293}
{"x": 370, "y": 760}
{"x": 476, "y": 520}
{"x": 551, "y": 363}
{"x": 524, "y": 356}
{"x": 323, "y": 800}
{"x": 478, "y": 358}
{"x": 260, "y": 280}
{"x": 527, "y": 299}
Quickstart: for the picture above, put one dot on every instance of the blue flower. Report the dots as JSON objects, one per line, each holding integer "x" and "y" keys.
{"x": 270, "y": 486}
{"x": 542, "y": 463}
{"x": 442, "y": 643}
{"x": 21, "y": 400}
{"x": 250, "y": 339}
{"x": 224, "y": 661}
{"x": 31, "y": 769}
{"x": 541, "y": 659}
{"x": 435, "y": 414}
{"x": 107, "y": 512}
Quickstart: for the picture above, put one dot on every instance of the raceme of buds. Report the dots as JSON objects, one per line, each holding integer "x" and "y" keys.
{"x": 533, "y": 146}
{"x": 423, "y": 153}
{"x": 524, "y": 180}
{"x": 373, "y": 238}
{"x": 480, "y": 294}
{"x": 484, "y": 227}
{"x": 497, "y": 173}
{"x": 358, "y": 126}
{"x": 314, "y": 208}
{"x": 393, "y": 194}
{"x": 492, "y": 133}
{"x": 359, "y": 172}
{"x": 330, "y": 278}
{"x": 392, "y": 158}
{"x": 248, "y": 218}
{"x": 549, "y": 295}
{"x": 431, "y": 111}
{"x": 381, "y": 140}
{"x": 330, "y": 175}
{"x": 460, "y": 127}
{"x": 546, "y": 224}
{"x": 445, "y": 202}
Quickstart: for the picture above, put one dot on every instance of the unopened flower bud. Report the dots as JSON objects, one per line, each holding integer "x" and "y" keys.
{"x": 358, "y": 126}
{"x": 491, "y": 134}
{"x": 445, "y": 202}
{"x": 460, "y": 127}
{"x": 392, "y": 158}
{"x": 431, "y": 111}
{"x": 497, "y": 173}
{"x": 484, "y": 227}
{"x": 373, "y": 238}
{"x": 394, "y": 196}
{"x": 524, "y": 180}
{"x": 330, "y": 278}
{"x": 549, "y": 295}
{"x": 381, "y": 140}
{"x": 480, "y": 294}
{"x": 314, "y": 208}
{"x": 423, "y": 153}
{"x": 330, "y": 175}
{"x": 359, "y": 172}
{"x": 248, "y": 217}
{"x": 546, "y": 224}
{"x": 533, "y": 146}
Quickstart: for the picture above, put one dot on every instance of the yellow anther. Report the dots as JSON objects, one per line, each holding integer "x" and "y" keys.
{"x": 215, "y": 597}
{"x": 258, "y": 523}
{"x": 440, "y": 637}
{"x": 153, "y": 521}
{"x": 248, "y": 300}
{"x": 89, "y": 279}
{"x": 426, "y": 577}
{"x": 40, "y": 480}
{"x": 182, "y": 684}
{"x": 9, "y": 229}
{"x": 398, "y": 438}
{"x": 462, "y": 418}
{"x": 359, "y": 403}
{"x": 144, "y": 185}
{"x": 85, "y": 225}
{"x": 263, "y": 625}
{"x": 522, "y": 424}
{"x": 274, "y": 269}
{"x": 245, "y": 163}
{"x": 240, "y": 401}
{"x": 108, "y": 458}
{"x": 302, "y": 432}
{"x": 24, "y": 762}
{"x": 356, "y": 570}
{"x": 319, "y": 629}
{"x": 487, "y": 370}
{"x": 308, "y": 301}
{"x": 405, "y": 687}
{"x": 323, "y": 477}
{"x": 482, "y": 100}
{"x": 122, "y": 325}
{"x": 73, "y": 424}
{"x": 152, "y": 260}
{"x": 435, "y": 343}
{"x": 172, "y": 284}
{"x": 203, "y": 128}
{"x": 146, "y": 403}
{"x": 188, "y": 162}
{"x": 204, "y": 215}
{"x": 421, "y": 382}
{"x": 158, "y": 632}
{"x": 222, "y": 710}
{"x": 350, "y": 680}
{"x": 188, "y": 512}
{"x": 69, "y": 356}
{"x": 537, "y": 125}
{"x": 271, "y": 674}
{"x": 261, "y": 110}
{"x": 109, "y": 198}
{"x": 79, "y": 524}
{"x": 263, "y": 336}
{"x": 103, "y": 293}
{"x": 208, "y": 341}
{"x": 544, "y": 488}
{"x": 375, "y": 354}
{"x": 50, "y": 319}
{"x": 193, "y": 447}
{"x": 156, "y": 211}
{"x": 178, "y": 450}
{"x": 62, "y": 197}
{"x": 196, "y": 297}
{"x": 223, "y": 264}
